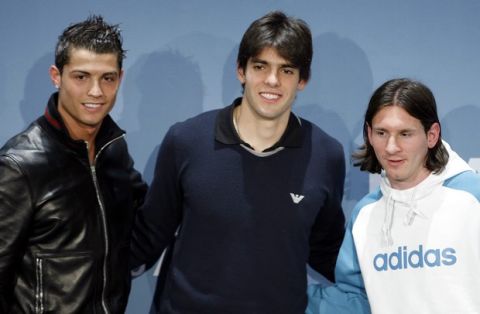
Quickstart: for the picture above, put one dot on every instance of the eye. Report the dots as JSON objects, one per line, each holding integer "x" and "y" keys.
{"x": 258, "y": 66}
{"x": 110, "y": 78}
{"x": 80, "y": 77}
{"x": 379, "y": 133}
{"x": 288, "y": 71}
{"x": 406, "y": 134}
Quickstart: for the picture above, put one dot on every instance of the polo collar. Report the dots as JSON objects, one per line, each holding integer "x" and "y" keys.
{"x": 225, "y": 130}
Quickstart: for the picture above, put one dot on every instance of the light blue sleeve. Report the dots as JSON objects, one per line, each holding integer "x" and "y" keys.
{"x": 467, "y": 181}
{"x": 347, "y": 295}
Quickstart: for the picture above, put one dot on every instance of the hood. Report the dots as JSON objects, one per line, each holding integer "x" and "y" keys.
{"x": 409, "y": 197}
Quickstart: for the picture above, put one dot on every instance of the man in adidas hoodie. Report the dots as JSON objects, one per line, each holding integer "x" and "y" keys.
{"x": 412, "y": 245}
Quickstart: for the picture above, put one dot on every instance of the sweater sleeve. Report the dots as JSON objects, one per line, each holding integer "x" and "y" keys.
{"x": 16, "y": 214}
{"x": 159, "y": 217}
{"x": 348, "y": 295}
{"x": 329, "y": 226}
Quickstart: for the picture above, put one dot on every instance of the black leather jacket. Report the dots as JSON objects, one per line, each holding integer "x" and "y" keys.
{"x": 65, "y": 224}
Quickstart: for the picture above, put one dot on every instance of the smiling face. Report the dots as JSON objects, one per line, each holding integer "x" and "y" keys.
{"x": 88, "y": 87}
{"x": 270, "y": 85}
{"x": 401, "y": 145}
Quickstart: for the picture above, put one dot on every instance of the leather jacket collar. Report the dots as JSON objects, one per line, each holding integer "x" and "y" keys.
{"x": 52, "y": 121}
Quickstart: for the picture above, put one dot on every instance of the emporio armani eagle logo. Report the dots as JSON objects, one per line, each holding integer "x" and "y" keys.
{"x": 296, "y": 198}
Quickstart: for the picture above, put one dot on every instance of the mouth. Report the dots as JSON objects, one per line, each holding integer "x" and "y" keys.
{"x": 270, "y": 96}
{"x": 395, "y": 162}
{"x": 92, "y": 106}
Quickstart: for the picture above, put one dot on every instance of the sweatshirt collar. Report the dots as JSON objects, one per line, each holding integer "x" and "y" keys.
{"x": 410, "y": 197}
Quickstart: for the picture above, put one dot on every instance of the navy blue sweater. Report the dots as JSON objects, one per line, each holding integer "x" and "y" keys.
{"x": 245, "y": 232}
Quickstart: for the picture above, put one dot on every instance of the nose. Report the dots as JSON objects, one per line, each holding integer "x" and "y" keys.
{"x": 95, "y": 90}
{"x": 392, "y": 145}
{"x": 272, "y": 78}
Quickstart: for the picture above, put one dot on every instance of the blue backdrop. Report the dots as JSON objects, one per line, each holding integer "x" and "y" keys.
{"x": 181, "y": 61}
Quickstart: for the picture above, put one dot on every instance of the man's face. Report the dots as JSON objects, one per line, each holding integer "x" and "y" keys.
{"x": 270, "y": 85}
{"x": 87, "y": 90}
{"x": 401, "y": 145}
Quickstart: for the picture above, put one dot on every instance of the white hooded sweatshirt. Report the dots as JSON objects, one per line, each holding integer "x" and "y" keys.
{"x": 411, "y": 251}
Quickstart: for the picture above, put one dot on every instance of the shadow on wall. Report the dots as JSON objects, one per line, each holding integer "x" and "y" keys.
{"x": 336, "y": 99}
{"x": 460, "y": 130}
{"x": 38, "y": 88}
{"x": 231, "y": 87}
{"x": 160, "y": 89}
{"x": 5, "y": 128}
{"x": 208, "y": 52}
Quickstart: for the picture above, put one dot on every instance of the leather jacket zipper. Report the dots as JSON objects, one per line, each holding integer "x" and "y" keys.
{"x": 39, "y": 286}
{"x": 104, "y": 218}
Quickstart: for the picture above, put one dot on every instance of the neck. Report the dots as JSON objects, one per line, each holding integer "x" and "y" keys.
{"x": 405, "y": 185}
{"x": 87, "y": 135}
{"x": 80, "y": 131}
{"x": 258, "y": 133}
{"x": 89, "y": 138}
{"x": 91, "y": 150}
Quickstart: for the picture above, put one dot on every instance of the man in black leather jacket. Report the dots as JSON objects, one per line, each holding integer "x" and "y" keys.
{"x": 68, "y": 189}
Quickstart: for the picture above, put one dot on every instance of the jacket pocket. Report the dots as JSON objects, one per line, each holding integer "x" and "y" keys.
{"x": 64, "y": 282}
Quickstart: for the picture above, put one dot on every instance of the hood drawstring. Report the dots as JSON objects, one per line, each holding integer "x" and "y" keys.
{"x": 412, "y": 210}
{"x": 410, "y": 217}
{"x": 410, "y": 197}
{"x": 392, "y": 200}
{"x": 387, "y": 239}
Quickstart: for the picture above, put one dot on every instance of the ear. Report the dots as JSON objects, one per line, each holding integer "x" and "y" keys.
{"x": 55, "y": 76}
{"x": 433, "y": 135}
{"x": 120, "y": 77}
{"x": 240, "y": 74}
{"x": 301, "y": 84}
{"x": 369, "y": 132}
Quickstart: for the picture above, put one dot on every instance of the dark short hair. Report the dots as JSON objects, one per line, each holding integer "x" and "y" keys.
{"x": 290, "y": 37}
{"x": 93, "y": 34}
{"x": 418, "y": 101}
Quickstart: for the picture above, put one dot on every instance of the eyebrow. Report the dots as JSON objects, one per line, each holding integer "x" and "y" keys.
{"x": 400, "y": 131}
{"x": 88, "y": 73}
{"x": 283, "y": 65}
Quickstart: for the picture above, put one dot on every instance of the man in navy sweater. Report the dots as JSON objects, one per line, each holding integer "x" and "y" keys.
{"x": 247, "y": 195}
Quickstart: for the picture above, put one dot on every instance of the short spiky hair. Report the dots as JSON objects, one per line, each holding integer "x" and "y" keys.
{"x": 290, "y": 37}
{"x": 93, "y": 34}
